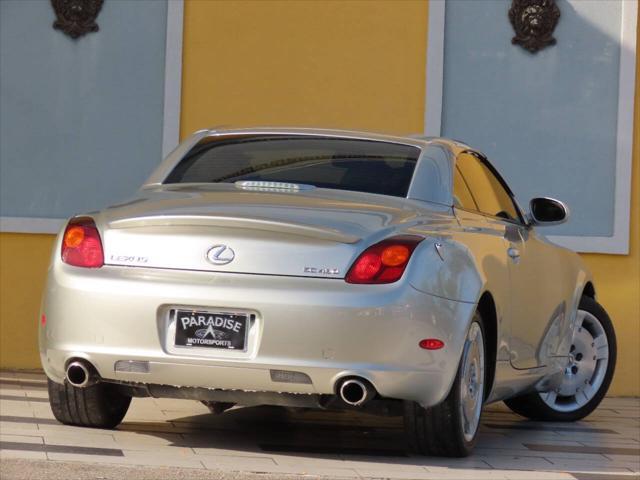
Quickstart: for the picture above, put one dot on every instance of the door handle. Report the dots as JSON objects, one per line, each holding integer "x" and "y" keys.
{"x": 513, "y": 252}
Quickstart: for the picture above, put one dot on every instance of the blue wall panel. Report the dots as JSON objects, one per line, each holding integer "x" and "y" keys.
{"x": 547, "y": 120}
{"x": 80, "y": 120}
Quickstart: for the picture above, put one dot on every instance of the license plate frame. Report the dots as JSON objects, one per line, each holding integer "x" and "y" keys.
{"x": 211, "y": 330}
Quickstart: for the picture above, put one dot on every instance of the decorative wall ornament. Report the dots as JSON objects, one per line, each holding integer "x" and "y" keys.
{"x": 534, "y": 22}
{"x": 76, "y": 17}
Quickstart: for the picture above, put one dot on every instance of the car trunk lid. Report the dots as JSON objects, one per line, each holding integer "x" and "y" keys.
{"x": 316, "y": 233}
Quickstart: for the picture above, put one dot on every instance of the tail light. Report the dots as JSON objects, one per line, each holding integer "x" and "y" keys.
{"x": 383, "y": 262}
{"x": 81, "y": 245}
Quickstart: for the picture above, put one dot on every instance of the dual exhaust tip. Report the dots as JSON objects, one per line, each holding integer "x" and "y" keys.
{"x": 81, "y": 374}
{"x": 356, "y": 391}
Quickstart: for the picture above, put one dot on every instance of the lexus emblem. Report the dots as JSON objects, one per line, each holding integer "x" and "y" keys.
{"x": 220, "y": 255}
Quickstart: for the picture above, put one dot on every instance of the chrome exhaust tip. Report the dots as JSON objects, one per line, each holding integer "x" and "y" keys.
{"x": 356, "y": 392}
{"x": 79, "y": 374}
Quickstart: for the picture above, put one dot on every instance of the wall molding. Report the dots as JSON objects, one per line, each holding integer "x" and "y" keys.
{"x": 31, "y": 225}
{"x": 170, "y": 122}
{"x": 618, "y": 243}
{"x": 435, "y": 68}
{"x": 172, "y": 76}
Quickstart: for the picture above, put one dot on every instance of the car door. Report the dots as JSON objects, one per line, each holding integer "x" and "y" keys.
{"x": 536, "y": 295}
{"x": 486, "y": 241}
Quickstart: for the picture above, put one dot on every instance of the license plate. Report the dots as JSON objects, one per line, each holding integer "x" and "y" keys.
{"x": 227, "y": 331}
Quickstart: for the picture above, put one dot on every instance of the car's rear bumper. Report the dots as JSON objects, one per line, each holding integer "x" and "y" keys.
{"x": 326, "y": 329}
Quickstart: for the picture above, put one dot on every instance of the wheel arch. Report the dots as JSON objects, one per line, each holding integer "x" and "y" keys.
{"x": 589, "y": 290}
{"x": 487, "y": 310}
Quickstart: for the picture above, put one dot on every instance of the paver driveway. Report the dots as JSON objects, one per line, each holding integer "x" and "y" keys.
{"x": 278, "y": 441}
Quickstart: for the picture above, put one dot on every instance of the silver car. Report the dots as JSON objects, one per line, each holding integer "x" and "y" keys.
{"x": 326, "y": 269}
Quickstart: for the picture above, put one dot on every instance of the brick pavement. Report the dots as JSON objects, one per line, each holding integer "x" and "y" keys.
{"x": 278, "y": 441}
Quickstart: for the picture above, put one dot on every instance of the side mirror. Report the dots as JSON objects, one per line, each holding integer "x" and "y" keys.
{"x": 548, "y": 211}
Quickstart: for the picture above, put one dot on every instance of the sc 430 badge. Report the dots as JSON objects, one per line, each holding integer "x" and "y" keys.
{"x": 322, "y": 271}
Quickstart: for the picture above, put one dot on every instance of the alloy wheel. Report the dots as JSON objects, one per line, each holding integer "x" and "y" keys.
{"x": 586, "y": 367}
{"x": 472, "y": 381}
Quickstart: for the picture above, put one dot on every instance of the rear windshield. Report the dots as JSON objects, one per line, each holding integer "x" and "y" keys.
{"x": 359, "y": 165}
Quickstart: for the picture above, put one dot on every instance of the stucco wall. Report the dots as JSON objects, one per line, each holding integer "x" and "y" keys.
{"x": 335, "y": 64}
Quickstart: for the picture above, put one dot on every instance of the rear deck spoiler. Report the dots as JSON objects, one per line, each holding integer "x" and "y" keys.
{"x": 250, "y": 223}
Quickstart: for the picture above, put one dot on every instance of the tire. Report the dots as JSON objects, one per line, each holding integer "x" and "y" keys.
{"x": 440, "y": 430}
{"x": 97, "y": 406}
{"x": 560, "y": 405}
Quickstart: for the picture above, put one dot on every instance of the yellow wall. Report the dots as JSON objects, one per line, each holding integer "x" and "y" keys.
{"x": 23, "y": 268}
{"x": 617, "y": 277}
{"x": 332, "y": 64}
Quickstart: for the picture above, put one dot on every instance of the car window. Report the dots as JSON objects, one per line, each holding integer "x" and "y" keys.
{"x": 490, "y": 196}
{"x": 346, "y": 164}
{"x": 462, "y": 197}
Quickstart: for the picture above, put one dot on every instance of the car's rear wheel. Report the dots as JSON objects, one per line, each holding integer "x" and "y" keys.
{"x": 588, "y": 373}
{"x": 450, "y": 429}
{"x": 99, "y": 406}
